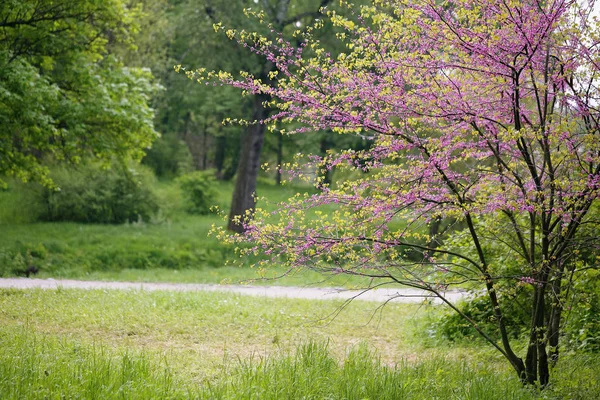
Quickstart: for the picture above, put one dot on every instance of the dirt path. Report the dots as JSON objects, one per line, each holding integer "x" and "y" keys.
{"x": 402, "y": 295}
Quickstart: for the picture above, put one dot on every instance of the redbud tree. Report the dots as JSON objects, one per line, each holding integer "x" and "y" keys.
{"x": 484, "y": 113}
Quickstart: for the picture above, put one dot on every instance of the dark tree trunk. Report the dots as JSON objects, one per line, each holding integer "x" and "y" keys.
{"x": 193, "y": 142}
{"x": 196, "y": 146}
{"x": 434, "y": 230}
{"x": 536, "y": 361}
{"x": 555, "y": 316}
{"x": 247, "y": 171}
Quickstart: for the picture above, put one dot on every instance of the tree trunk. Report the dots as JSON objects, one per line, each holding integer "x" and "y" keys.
{"x": 536, "y": 361}
{"x": 555, "y": 316}
{"x": 434, "y": 229}
{"x": 247, "y": 171}
{"x": 193, "y": 142}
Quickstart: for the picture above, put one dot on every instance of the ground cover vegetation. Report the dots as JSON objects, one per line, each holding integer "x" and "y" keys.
{"x": 172, "y": 245}
{"x": 125, "y": 344}
{"x": 483, "y": 114}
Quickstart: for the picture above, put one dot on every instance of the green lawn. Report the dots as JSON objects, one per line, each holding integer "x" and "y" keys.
{"x": 131, "y": 344}
{"x": 202, "y": 328}
{"x": 181, "y": 251}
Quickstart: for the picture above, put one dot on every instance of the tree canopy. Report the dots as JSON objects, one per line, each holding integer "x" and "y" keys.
{"x": 63, "y": 94}
{"x": 485, "y": 114}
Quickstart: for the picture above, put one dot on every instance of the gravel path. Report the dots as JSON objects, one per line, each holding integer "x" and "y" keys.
{"x": 402, "y": 295}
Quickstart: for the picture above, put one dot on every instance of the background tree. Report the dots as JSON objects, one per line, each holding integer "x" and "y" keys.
{"x": 282, "y": 15}
{"x": 63, "y": 96}
{"x": 243, "y": 199}
{"x": 492, "y": 109}
{"x": 191, "y": 114}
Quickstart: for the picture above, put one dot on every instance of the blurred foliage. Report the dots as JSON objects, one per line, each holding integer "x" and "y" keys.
{"x": 582, "y": 330}
{"x": 193, "y": 113}
{"x": 169, "y": 157}
{"x": 74, "y": 87}
{"x": 74, "y": 250}
{"x": 189, "y": 113}
{"x": 198, "y": 190}
{"x": 92, "y": 194}
{"x": 170, "y": 240}
{"x": 62, "y": 93}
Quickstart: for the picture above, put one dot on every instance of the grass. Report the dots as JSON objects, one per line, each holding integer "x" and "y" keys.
{"x": 175, "y": 247}
{"x": 43, "y": 366}
{"x": 48, "y": 367}
{"x": 131, "y": 344}
{"x": 179, "y": 252}
{"x": 202, "y": 328}
{"x": 312, "y": 373}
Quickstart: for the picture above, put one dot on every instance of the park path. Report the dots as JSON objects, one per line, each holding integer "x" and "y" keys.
{"x": 401, "y": 295}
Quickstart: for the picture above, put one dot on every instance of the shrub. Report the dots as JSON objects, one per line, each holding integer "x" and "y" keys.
{"x": 92, "y": 194}
{"x": 452, "y": 326}
{"x": 583, "y": 312}
{"x": 198, "y": 190}
{"x": 19, "y": 203}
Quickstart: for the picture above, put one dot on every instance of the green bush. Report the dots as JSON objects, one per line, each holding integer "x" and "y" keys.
{"x": 92, "y": 194}
{"x": 583, "y": 314}
{"x": 454, "y": 327}
{"x": 199, "y": 191}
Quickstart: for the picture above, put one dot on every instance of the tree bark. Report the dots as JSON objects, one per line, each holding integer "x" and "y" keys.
{"x": 555, "y": 316}
{"x": 243, "y": 200}
{"x": 536, "y": 361}
{"x": 247, "y": 172}
{"x": 434, "y": 229}
{"x": 205, "y": 147}
{"x": 194, "y": 143}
